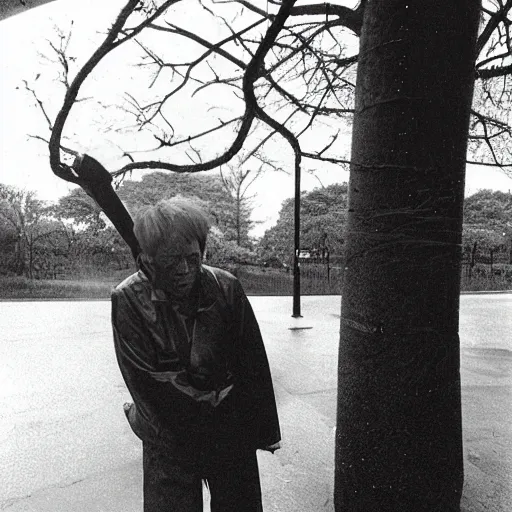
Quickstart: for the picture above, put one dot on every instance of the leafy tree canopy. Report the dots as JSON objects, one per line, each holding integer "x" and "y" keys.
{"x": 80, "y": 208}
{"x": 323, "y": 216}
{"x": 488, "y": 220}
{"x": 489, "y": 207}
{"x": 207, "y": 188}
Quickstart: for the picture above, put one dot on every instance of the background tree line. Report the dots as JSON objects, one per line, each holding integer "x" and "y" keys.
{"x": 73, "y": 237}
{"x": 70, "y": 237}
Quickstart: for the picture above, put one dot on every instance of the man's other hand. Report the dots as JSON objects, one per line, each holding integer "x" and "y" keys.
{"x": 273, "y": 447}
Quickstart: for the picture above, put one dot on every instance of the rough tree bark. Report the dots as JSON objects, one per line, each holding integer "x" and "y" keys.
{"x": 399, "y": 431}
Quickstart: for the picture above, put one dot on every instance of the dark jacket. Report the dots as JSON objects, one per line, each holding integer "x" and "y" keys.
{"x": 203, "y": 378}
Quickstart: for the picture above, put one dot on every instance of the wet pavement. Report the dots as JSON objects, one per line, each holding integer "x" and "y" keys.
{"x": 65, "y": 445}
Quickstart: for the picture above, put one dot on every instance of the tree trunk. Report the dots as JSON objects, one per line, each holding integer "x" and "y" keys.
{"x": 31, "y": 257}
{"x": 473, "y": 258}
{"x": 399, "y": 428}
{"x": 238, "y": 206}
{"x": 20, "y": 254}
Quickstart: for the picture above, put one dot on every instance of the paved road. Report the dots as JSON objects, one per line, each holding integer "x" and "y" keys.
{"x": 65, "y": 445}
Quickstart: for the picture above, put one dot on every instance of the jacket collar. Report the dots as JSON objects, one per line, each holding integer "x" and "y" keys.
{"x": 207, "y": 291}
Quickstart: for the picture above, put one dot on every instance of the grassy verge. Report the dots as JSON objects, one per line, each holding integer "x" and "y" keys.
{"x": 255, "y": 282}
{"x": 485, "y": 284}
{"x": 23, "y": 288}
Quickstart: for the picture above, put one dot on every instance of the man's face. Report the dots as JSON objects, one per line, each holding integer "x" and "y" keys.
{"x": 177, "y": 266}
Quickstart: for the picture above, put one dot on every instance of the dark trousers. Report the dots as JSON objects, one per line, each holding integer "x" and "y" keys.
{"x": 175, "y": 486}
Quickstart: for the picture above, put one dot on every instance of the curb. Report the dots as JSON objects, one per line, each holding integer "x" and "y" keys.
{"x": 78, "y": 299}
{"x": 53, "y": 299}
{"x": 490, "y": 292}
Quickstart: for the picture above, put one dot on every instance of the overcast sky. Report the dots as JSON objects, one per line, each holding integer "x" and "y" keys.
{"x": 24, "y": 162}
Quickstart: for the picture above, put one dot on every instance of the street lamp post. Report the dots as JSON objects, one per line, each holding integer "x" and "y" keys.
{"x": 296, "y": 251}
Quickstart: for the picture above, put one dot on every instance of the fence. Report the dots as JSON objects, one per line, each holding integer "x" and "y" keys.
{"x": 315, "y": 279}
{"x": 486, "y": 270}
{"x": 321, "y": 279}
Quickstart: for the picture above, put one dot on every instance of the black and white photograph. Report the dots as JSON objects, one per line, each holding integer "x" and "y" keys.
{"x": 256, "y": 256}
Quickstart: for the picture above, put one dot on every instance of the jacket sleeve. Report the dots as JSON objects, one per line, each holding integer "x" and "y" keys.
{"x": 255, "y": 371}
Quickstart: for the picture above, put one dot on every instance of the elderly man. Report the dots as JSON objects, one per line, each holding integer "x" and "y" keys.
{"x": 191, "y": 354}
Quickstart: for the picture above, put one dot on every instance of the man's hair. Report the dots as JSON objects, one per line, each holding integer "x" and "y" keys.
{"x": 180, "y": 219}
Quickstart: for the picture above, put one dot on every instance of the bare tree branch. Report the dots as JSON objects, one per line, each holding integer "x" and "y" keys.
{"x": 60, "y": 169}
{"x": 252, "y": 109}
{"x": 351, "y": 19}
{"x": 287, "y": 76}
{"x": 492, "y": 24}
{"x": 170, "y": 143}
{"x": 40, "y": 104}
{"x": 493, "y": 72}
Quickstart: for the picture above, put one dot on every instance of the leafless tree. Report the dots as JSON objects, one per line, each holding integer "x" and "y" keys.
{"x": 264, "y": 71}
{"x": 272, "y": 68}
{"x": 237, "y": 180}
